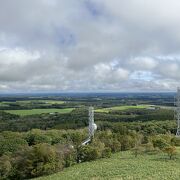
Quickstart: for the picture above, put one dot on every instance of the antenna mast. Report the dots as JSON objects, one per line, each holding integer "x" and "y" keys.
{"x": 177, "y": 111}
{"x": 91, "y": 122}
{"x": 92, "y": 126}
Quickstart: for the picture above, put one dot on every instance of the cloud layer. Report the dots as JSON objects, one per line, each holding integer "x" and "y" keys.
{"x": 89, "y": 45}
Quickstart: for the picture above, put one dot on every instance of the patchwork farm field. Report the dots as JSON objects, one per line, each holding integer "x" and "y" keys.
{"x": 28, "y": 107}
{"x": 38, "y": 111}
{"x": 124, "y": 166}
{"x": 116, "y": 108}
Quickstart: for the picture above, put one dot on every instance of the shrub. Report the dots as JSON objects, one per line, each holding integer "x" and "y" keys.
{"x": 5, "y": 167}
{"x": 11, "y": 144}
{"x": 171, "y": 151}
{"x": 160, "y": 143}
{"x": 37, "y": 136}
{"x": 114, "y": 145}
{"x": 109, "y": 140}
{"x": 149, "y": 148}
{"x": 87, "y": 153}
{"x": 68, "y": 153}
{"x": 56, "y": 136}
{"x": 175, "y": 141}
{"x": 106, "y": 152}
{"x": 127, "y": 142}
{"x": 120, "y": 129}
{"x": 76, "y": 137}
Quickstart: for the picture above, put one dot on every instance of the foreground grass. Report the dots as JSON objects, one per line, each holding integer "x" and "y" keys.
{"x": 122, "y": 108}
{"x": 123, "y": 166}
{"x": 39, "y": 111}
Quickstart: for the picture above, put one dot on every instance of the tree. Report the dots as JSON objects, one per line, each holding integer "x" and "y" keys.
{"x": 171, "y": 151}
{"x": 41, "y": 159}
{"x": 87, "y": 153}
{"x": 175, "y": 141}
{"x": 67, "y": 152}
{"x": 11, "y": 144}
{"x": 5, "y": 167}
{"x": 160, "y": 143}
{"x": 36, "y": 136}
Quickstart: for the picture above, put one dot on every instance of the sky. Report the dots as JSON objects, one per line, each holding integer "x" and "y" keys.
{"x": 89, "y": 45}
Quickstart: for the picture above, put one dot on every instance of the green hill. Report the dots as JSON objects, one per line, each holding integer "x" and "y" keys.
{"x": 124, "y": 166}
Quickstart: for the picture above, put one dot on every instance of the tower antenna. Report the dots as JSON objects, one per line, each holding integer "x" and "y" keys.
{"x": 177, "y": 111}
{"x": 92, "y": 126}
{"x": 91, "y": 122}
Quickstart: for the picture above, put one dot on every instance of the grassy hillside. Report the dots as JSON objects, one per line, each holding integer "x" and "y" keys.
{"x": 124, "y": 166}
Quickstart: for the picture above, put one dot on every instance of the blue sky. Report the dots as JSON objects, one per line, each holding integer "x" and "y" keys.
{"x": 89, "y": 45}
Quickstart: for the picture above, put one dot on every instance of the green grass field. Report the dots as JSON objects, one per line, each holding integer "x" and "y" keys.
{"x": 34, "y": 101}
{"x": 3, "y": 104}
{"x": 123, "y": 166}
{"x": 38, "y": 111}
{"x": 42, "y": 101}
{"x": 119, "y": 108}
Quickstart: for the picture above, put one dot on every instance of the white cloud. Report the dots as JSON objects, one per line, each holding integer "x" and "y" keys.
{"x": 3, "y": 87}
{"x": 89, "y": 45}
{"x": 105, "y": 73}
{"x": 170, "y": 70}
{"x": 143, "y": 63}
{"x": 17, "y": 56}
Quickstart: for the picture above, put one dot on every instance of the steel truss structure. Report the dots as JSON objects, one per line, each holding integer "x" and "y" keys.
{"x": 177, "y": 111}
{"x": 92, "y": 126}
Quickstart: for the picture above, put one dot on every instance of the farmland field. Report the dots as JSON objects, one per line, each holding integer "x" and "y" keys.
{"x": 39, "y": 111}
{"x": 32, "y": 101}
{"x": 42, "y": 101}
{"x": 122, "y": 108}
{"x": 124, "y": 166}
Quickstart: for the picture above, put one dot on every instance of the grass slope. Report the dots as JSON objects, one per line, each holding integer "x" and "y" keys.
{"x": 123, "y": 166}
{"x": 39, "y": 111}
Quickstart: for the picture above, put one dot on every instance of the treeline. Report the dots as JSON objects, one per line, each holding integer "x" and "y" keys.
{"x": 78, "y": 118}
{"x": 145, "y": 128}
{"x": 36, "y": 105}
{"x": 36, "y": 153}
{"x": 131, "y": 115}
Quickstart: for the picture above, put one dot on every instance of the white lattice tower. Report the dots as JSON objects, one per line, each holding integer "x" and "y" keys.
{"x": 177, "y": 111}
{"x": 92, "y": 125}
